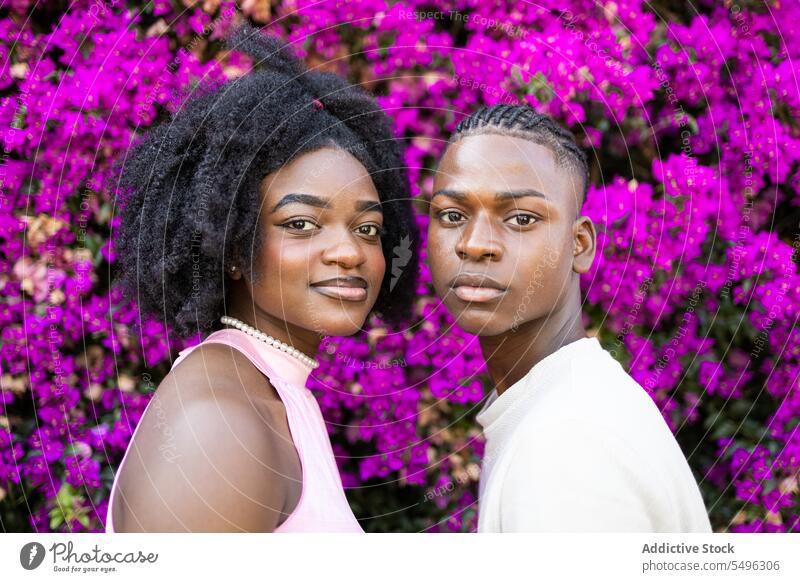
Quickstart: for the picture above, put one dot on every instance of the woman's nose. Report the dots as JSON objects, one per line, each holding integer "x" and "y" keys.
{"x": 344, "y": 251}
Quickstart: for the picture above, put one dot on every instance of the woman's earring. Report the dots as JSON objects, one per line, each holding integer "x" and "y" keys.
{"x": 234, "y": 270}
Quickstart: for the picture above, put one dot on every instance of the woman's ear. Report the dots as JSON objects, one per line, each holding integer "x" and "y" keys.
{"x": 585, "y": 244}
{"x": 235, "y": 273}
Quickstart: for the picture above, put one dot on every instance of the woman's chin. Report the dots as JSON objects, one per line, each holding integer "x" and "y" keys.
{"x": 341, "y": 326}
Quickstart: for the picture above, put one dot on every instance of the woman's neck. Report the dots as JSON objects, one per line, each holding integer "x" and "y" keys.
{"x": 242, "y": 306}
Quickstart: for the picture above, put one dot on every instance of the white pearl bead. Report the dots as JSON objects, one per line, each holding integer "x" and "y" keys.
{"x": 269, "y": 340}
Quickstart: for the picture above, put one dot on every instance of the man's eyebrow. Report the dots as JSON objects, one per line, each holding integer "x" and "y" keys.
{"x": 369, "y": 206}
{"x": 450, "y": 194}
{"x": 511, "y": 194}
{"x": 309, "y": 199}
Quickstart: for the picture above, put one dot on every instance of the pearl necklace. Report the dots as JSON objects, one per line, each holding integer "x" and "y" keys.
{"x": 270, "y": 341}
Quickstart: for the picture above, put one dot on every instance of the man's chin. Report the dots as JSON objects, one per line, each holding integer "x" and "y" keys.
{"x": 480, "y": 323}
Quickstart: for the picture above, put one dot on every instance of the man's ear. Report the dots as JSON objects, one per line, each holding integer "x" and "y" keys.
{"x": 585, "y": 244}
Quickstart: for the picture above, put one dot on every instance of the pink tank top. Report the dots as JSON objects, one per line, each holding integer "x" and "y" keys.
{"x": 323, "y": 506}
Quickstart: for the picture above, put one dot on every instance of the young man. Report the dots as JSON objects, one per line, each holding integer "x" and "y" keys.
{"x": 573, "y": 443}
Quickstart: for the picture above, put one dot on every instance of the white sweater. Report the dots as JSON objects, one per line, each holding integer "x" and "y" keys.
{"x": 577, "y": 445}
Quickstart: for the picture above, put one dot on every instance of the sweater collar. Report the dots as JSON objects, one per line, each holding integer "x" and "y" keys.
{"x": 497, "y": 405}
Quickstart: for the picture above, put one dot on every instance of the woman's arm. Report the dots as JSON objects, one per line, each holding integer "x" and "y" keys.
{"x": 208, "y": 458}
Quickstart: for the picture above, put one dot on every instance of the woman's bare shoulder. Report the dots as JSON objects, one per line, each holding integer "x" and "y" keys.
{"x": 213, "y": 453}
{"x": 220, "y": 367}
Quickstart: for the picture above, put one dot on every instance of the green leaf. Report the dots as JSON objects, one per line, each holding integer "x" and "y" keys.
{"x": 71, "y": 449}
{"x": 539, "y": 86}
{"x": 516, "y": 74}
{"x": 56, "y": 517}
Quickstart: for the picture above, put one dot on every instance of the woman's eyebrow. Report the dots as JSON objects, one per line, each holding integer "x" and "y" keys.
{"x": 308, "y": 199}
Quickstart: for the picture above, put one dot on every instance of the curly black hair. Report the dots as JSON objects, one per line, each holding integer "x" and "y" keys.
{"x": 525, "y": 122}
{"x": 189, "y": 192}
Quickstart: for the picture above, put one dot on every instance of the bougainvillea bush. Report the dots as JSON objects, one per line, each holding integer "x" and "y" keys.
{"x": 688, "y": 112}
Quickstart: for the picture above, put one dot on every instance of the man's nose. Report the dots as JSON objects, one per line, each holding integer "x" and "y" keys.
{"x": 479, "y": 242}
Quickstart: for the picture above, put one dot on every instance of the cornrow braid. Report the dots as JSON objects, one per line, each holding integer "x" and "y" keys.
{"x": 525, "y": 122}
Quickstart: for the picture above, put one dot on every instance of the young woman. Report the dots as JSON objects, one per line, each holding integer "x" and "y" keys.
{"x": 264, "y": 213}
{"x": 573, "y": 443}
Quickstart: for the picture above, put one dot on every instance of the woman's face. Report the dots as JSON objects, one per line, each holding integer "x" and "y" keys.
{"x": 321, "y": 262}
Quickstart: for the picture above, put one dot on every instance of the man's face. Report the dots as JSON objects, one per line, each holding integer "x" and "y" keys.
{"x": 501, "y": 238}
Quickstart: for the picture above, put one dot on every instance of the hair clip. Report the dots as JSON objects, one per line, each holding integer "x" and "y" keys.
{"x": 317, "y": 104}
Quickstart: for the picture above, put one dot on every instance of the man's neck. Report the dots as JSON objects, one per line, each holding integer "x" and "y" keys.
{"x": 510, "y": 356}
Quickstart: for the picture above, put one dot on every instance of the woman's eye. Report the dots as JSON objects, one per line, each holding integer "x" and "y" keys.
{"x": 370, "y": 230}
{"x": 451, "y": 216}
{"x": 300, "y": 224}
{"x": 523, "y": 219}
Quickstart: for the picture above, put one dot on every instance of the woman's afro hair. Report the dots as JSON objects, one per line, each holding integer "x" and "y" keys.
{"x": 190, "y": 190}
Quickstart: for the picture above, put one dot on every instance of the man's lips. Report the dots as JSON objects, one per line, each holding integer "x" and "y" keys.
{"x": 476, "y": 294}
{"x": 475, "y": 288}
{"x": 343, "y": 288}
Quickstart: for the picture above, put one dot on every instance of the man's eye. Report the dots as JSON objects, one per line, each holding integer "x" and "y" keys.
{"x": 370, "y": 230}
{"x": 300, "y": 224}
{"x": 523, "y": 219}
{"x": 451, "y": 216}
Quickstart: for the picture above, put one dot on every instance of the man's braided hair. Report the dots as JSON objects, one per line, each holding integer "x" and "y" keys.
{"x": 524, "y": 122}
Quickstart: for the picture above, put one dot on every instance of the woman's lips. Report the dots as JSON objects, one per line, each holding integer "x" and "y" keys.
{"x": 342, "y": 293}
{"x": 477, "y": 294}
{"x": 351, "y": 288}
